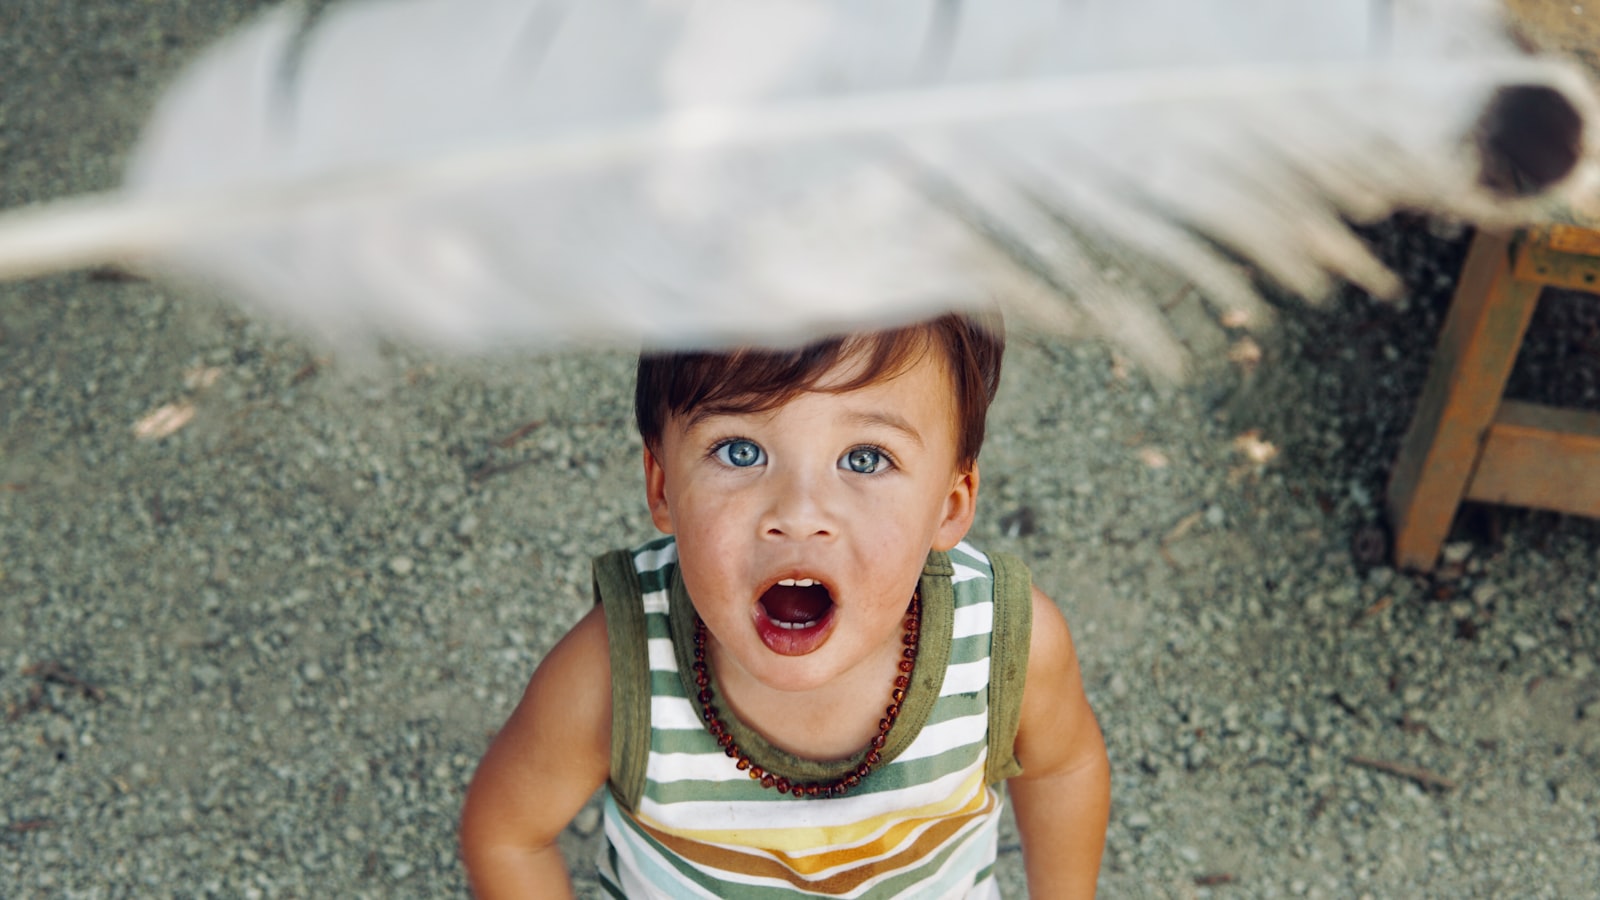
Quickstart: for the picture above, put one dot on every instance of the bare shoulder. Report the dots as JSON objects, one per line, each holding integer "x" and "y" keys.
{"x": 554, "y": 750}
{"x": 579, "y": 668}
{"x": 568, "y": 700}
{"x": 1058, "y": 729}
{"x": 1050, "y": 645}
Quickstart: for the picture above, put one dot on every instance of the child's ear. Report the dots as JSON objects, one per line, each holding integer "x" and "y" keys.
{"x": 655, "y": 492}
{"x": 960, "y": 506}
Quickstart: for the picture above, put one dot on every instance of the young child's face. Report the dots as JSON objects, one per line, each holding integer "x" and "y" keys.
{"x": 849, "y": 490}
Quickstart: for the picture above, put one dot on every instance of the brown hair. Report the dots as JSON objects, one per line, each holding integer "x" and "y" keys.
{"x": 754, "y": 379}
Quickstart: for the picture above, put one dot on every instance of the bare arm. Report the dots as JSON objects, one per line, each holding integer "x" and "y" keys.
{"x": 541, "y": 768}
{"x": 1063, "y": 796}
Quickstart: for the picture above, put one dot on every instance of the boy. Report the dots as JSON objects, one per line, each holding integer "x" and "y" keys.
{"x": 812, "y": 686}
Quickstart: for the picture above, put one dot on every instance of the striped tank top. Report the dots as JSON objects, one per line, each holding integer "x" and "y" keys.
{"x": 681, "y": 820}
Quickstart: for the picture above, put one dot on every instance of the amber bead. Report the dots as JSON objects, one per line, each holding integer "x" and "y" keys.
{"x": 905, "y": 665}
{"x": 768, "y": 781}
{"x": 897, "y": 695}
{"x": 757, "y": 773}
{"x": 873, "y": 757}
{"x": 782, "y": 785}
{"x": 879, "y": 741}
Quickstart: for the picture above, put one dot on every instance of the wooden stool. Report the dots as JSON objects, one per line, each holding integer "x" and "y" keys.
{"x": 1468, "y": 443}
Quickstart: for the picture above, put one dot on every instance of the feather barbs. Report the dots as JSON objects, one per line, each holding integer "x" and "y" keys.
{"x": 533, "y": 173}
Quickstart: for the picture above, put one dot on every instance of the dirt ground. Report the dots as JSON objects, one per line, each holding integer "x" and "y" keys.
{"x": 261, "y": 612}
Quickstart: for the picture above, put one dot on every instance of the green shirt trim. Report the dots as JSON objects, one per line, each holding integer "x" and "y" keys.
{"x": 1008, "y": 662}
{"x": 616, "y": 588}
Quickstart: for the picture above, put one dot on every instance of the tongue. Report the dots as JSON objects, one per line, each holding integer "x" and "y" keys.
{"x": 796, "y": 604}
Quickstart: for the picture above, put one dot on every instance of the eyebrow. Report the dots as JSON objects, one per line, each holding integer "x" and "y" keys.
{"x": 887, "y": 420}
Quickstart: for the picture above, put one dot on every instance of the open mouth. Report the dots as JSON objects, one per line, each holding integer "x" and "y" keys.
{"x": 796, "y": 603}
{"x": 793, "y": 615}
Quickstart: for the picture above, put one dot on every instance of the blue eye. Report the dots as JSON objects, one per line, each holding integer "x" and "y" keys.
{"x": 865, "y": 460}
{"x": 741, "y": 454}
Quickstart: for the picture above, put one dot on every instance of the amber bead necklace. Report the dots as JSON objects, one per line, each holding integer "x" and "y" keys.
{"x": 813, "y": 789}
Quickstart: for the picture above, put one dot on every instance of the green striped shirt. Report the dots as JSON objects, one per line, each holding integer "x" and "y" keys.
{"x": 682, "y": 821}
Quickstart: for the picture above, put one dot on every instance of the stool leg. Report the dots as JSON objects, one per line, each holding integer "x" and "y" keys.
{"x": 1477, "y": 347}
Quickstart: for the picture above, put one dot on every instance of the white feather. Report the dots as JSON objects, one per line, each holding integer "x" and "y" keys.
{"x": 535, "y": 171}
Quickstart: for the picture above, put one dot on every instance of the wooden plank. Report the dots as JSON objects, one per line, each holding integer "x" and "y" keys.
{"x": 1477, "y": 347}
{"x": 1572, "y": 239}
{"x": 1556, "y": 256}
{"x": 1543, "y": 457}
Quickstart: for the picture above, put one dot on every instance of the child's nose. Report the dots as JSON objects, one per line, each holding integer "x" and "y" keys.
{"x": 797, "y": 509}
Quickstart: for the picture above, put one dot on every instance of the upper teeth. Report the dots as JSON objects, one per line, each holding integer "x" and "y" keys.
{"x": 798, "y": 582}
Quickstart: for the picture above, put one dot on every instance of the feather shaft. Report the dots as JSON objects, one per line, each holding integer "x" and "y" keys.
{"x": 118, "y": 226}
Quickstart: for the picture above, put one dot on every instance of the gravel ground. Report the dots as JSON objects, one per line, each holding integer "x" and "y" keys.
{"x": 262, "y": 612}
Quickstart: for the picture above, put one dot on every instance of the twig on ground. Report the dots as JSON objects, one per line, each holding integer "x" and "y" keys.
{"x": 1421, "y": 776}
{"x": 51, "y": 670}
{"x": 521, "y": 432}
{"x": 23, "y": 826}
{"x": 486, "y": 471}
{"x": 1213, "y": 879}
{"x": 308, "y": 370}
{"x": 1383, "y": 603}
{"x": 1184, "y": 526}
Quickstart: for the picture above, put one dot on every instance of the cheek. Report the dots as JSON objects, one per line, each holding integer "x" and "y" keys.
{"x": 910, "y": 513}
{"x": 709, "y": 542}
{"x": 711, "y": 513}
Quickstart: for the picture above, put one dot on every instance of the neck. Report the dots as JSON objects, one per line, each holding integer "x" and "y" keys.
{"x": 833, "y": 721}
